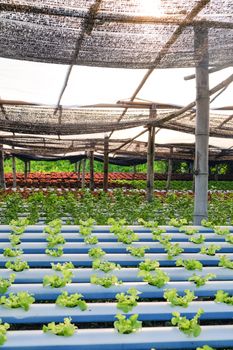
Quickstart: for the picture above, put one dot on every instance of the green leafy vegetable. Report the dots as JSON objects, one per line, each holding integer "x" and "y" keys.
{"x": 56, "y": 281}
{"x": 56, "y": 252}
{"x": 62, "y": 267}
{"x": 3, "y": 329}
{"x": 173, "y": 250}
{"x": 157, "y": 232}
{"x": 91, "y": 240}
{"x": 188, "y": 230}
{"x": 138, "y": 252}
{"x": 17, "y": 265}
{"x": 5, "y": 283}
{"x": 207, "y": 223}
{"x": 148, "y": 265}
{"x": 85, "y": 231}
{"x": 210, "y": 250}
{"x": 189, "y": 264}
{"x": 177, "y": 222}
{"x": 158, "y": 279}
{"x": 105, "y": 266}
{"x": 54, "y": 240}
{"x": 21, "y": 299}
{"x": 15, "y": 240}
{"x": 54, "y": 227}
{"x": 148, "y": 224}
{"x": 197, "y": 240}
{"x": 65, "y": 329}
{"x": 223, "y": 297}
{"x": 221, "y": 231}
{"x": 224, "y": 261}
{"x": 12, "y": 253}
{"x": 172, "y": 297}
{"x": 96, "y": 253}
{"x": 106, "y": 282}
{"x": 201, "y": 280}
{"x": 127, "y": 325}
{"x": 127, "y": 301}
{"x": 71, "y": 300}
{"x": 229, "y": 239}
{"x": 189, "y": 327}
{"x": 205, "y": 347}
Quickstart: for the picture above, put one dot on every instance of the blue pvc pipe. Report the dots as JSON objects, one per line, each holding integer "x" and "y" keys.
{"x": 36, "y": 260}
{"x": 105, "y": 312}
{"x": 109, "y": 237}
{"x": 116, "y": 248}
{"x": 105, "y": 339}
{"x": 91, "y": 291}
{"x": 125, "y": 274}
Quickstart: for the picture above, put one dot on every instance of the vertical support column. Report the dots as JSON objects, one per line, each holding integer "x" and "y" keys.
{"x": 150, "y": 157}
{"x": 83, "y": 173}
{"x": 106, "y": 160}
{"x": 29, "y": 167}
{"x": 14, "y": 171}
{"x": 134, "y": 171}
{"x": 76, "y": 167}
{"x": 2, "y": 174}
{"x": 92, "y": 182}
{"x": 169, "y": 170}
{"x": 202, "y": 125}
{"x": 25, "y": 170}
{"x": 79, "y": 171}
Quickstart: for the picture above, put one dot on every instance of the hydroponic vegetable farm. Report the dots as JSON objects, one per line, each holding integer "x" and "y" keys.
{"x": 96, "y": 295}
{"x": 116, "y": 201}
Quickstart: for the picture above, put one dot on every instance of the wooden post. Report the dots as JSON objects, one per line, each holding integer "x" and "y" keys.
{"x": 83, "y": 172}
{"x": 169, "y": 170}
{"x": 29, "y": 167}
{"x": 150, "y": 157}
{"x": 92, "y": 181}
{"x": 202, "y": 125}
{"x": 14, "y": 171}
{"x": 106, "y": 159}
{"x": 2, "y": 174}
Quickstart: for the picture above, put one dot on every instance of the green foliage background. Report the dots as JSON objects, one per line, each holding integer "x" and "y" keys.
{"x": 65, "y": 165}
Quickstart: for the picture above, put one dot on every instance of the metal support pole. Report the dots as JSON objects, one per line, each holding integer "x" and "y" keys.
{"x": 92, "y": 181}
{"x": 79, "y": 171}
{"x": 83, "y": 173}
{"x": 150, "y": 157}
{"x": 14, "y": 171}
{"x": 169, "y": 170}
{"x": 75, "y": 167}
{"x": 25, "y": 170}
{"x": 202, "y": 125}
{"x": 2, "y": 174}
{"x": 105, "y": 184}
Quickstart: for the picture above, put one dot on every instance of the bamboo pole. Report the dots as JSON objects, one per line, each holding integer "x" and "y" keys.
{"x": 169, "y": 171}
{"x": 202, "y": 126}
{"x": 92, "y": 181}
{"x": 83, "y": 173}
{"x": 106, "y": 159}
{"x": 150, "y": 158}
{"x": 2, "y": 174}
{"x": 14, "y": 171}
